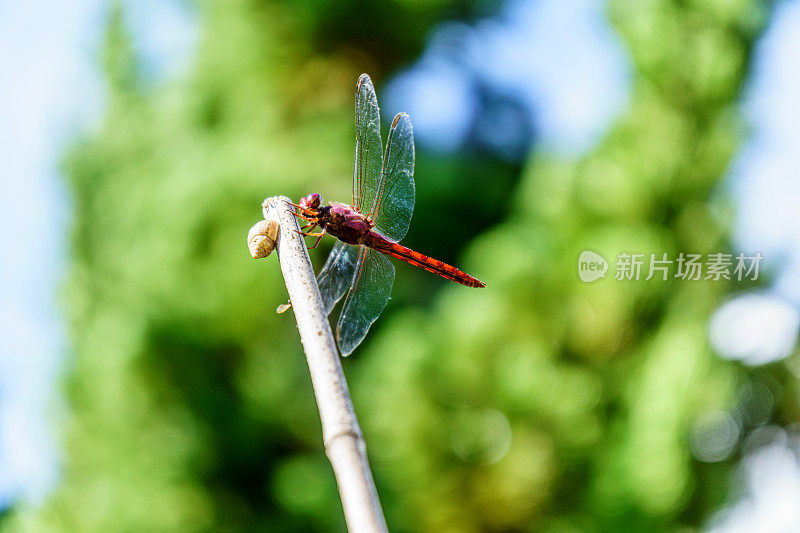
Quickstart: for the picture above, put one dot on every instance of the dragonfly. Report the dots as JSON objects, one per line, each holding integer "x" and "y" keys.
{"x": 369, "y": 229}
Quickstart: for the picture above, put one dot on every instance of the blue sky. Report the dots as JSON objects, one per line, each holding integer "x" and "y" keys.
{"x": 760, "y": 328}
{"x": 550, "y": 50}
{"x": 763, "y": 327}
{"x": 528, "y": 50}
{"x": 45, "y": 76}
{"x": 50, "y": 89}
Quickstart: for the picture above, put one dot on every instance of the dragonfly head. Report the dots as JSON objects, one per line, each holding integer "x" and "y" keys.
{"x": 312, "y": 201}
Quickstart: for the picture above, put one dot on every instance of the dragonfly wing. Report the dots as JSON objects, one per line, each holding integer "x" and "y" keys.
{"x": 366, "y": 299}
{"x": 367, "y": 171}
{"x": 336, "y": 276}
{"x": 394, "y": 202}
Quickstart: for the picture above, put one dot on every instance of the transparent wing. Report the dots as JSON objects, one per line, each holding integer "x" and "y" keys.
{"x": 394, "y": 204}
{"x": 368, "y": 296}
{"x": 367, "y": 171}
{"x": 337, "y": 274}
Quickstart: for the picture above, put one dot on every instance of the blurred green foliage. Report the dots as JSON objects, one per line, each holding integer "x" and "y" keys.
{"x": 539, "y": 403}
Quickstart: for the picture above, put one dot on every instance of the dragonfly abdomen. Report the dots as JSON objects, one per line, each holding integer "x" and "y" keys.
{"x": 398, "y": 251}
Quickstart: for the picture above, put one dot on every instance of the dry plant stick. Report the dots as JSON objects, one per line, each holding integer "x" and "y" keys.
{"x": 341, "y": 434}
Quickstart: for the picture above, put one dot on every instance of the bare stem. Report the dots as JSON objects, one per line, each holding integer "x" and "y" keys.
{"x": 341, "y": 434}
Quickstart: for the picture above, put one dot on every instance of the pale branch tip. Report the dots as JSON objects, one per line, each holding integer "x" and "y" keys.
{"x": 341, "y": 434}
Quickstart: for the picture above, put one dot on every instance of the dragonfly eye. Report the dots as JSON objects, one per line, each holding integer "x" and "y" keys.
{"x": 312, "y": 201}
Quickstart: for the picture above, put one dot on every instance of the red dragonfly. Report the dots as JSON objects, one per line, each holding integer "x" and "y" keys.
{"x": 370, "y": 228}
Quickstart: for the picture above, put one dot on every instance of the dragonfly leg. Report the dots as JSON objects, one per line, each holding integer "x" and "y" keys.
{"x": 296, "y": 207}
{"x": 319, "y": 238}
{"x": 303, "y": 210}
{"x": 300, "y": 215}
{"x": 308, "y": 217}
{"x": 317, "y": 235}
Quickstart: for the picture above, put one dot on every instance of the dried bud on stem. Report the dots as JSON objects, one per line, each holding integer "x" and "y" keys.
{"x": 262, "y": 237}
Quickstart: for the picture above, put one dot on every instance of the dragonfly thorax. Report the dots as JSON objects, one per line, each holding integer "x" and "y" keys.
{"x": 344, "y": 222}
